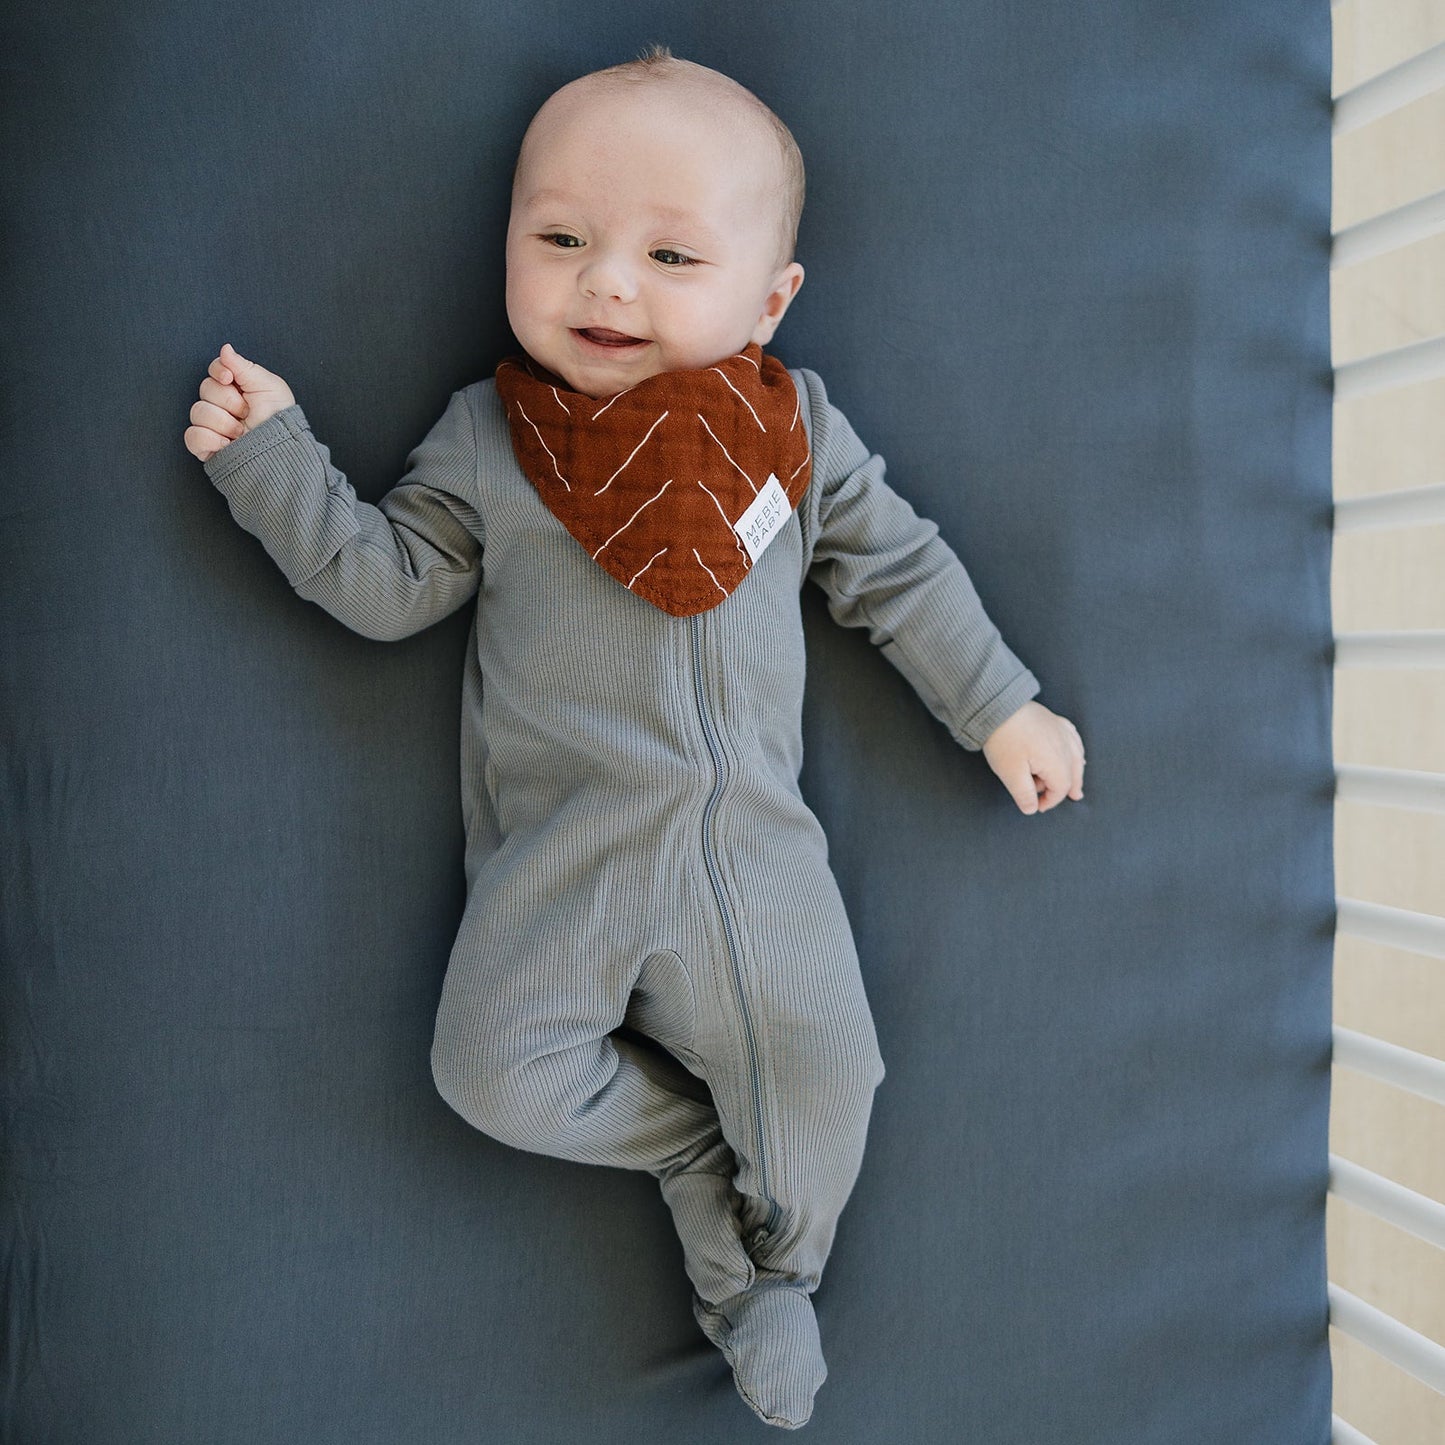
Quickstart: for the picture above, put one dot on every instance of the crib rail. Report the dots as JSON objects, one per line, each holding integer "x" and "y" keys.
{"x": 1399, "y": 366}
{"x": 1422, "y": 1216}
{"x": 1389, "y": 231}
{"x": 1390, "y": 787}
{"x": 1412, "y": 507}
{"x": 1390, "y": 649}
{"x": 1344, "y": 1433}
{"x": 1384, "y": 1334}
{"x": 1420, "y": 361}
{"x": 1404, "y": 1068}
{"x": 1410, "y": 80}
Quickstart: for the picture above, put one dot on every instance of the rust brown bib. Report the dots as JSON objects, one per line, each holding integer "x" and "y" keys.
{"x": 675, "y": 485}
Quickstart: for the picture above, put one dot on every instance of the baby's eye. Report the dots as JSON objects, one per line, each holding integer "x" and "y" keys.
{"x": 563, "y": 239}
{"x": 672, "y": 258}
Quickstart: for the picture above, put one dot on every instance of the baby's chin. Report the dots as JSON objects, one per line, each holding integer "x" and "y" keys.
{"x": 600, "y": 367}
{"x": 602, "y": 371}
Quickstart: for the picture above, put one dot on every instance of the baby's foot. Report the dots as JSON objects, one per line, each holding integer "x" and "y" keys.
{"x": 769, "y": 1335}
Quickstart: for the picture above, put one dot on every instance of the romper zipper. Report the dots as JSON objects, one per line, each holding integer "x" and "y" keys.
{"x": 727, "y": 919}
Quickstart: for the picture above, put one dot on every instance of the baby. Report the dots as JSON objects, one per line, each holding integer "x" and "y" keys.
{"x": 654, "y": 969}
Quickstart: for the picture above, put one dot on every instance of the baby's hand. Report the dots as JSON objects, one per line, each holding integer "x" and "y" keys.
{"x": 236, "y": 397}
{"x": 1039, "y": 756}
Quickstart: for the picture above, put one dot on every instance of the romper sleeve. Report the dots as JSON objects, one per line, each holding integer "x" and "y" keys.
{"x": 885, "y": 568}
{"x": 387, "y": 570}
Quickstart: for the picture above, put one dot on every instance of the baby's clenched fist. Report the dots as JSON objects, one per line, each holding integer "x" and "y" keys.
{"x": 237, "y": 395}
{"x": 1038, "y": 756}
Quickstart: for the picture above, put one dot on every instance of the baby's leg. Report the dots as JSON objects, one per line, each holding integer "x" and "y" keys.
{"x": 793, "y": 1069}
{"x": 795, "y": 1100}
{"x": 525, "y": 1051}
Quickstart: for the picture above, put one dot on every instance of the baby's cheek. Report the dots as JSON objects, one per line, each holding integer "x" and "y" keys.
{"x": 527, "y": 298}
{"x": 696, "y": 335}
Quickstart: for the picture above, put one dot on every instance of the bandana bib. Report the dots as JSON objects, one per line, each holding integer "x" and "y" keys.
{"x": 674, "y": 486}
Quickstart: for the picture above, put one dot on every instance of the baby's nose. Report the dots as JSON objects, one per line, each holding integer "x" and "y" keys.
{"x": 610, "y": 276}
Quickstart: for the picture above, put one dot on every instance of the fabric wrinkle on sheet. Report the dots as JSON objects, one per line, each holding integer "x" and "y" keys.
{"x": 654, "y": 968}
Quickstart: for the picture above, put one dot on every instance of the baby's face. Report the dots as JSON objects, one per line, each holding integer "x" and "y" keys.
{"x": 643, "y": 237}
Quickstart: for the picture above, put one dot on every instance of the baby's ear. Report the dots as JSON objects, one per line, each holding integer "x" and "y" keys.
{"x": 789, "y": 279}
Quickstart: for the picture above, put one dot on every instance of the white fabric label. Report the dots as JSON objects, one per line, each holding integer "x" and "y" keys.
{"x": 763, "y": 518}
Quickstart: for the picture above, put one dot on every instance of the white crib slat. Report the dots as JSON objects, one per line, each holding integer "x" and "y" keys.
{"x": 1414, "y": 1353}
{"x": 1390, "y": 787}
{"x": 1390, "y": 89}
{"x": 1343, "y": 1433}
{"x": 1389, "y": 231}
{"x": 1408, "y": 507}
{"x": 1390, "y": 1064}
{"x": 1418, "y": 647}
{"x": 1384, "y": 370}
{"x": 1385, "y": 1199}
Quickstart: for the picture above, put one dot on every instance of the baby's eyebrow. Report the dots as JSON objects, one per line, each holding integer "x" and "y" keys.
{"x": 546, "y": 195}
{"x": 685, "y": 218}
{"x": 677, "y": 214}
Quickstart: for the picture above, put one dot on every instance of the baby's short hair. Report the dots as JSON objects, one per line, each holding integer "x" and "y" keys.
{"x": 658, "y": 63}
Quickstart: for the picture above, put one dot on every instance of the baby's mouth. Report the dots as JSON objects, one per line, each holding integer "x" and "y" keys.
{"x": 602, "y": 336}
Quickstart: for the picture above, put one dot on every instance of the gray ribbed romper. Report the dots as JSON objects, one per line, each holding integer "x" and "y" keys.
{"x": 639, "y": 857}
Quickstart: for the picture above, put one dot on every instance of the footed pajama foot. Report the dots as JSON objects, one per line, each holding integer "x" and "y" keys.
{"x": 769, "y": 1335}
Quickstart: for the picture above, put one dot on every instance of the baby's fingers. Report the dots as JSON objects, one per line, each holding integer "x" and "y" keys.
{"x": 216, "y": 419}
{"x": 1049, "y": 793}
{"x": 203, "y": 443}
{"x": 1054, "y": 780}
{"x": 228, "y": 398}
{"x": 1022, "y": 788}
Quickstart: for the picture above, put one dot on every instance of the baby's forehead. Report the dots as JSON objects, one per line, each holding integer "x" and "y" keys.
{"x": 589, "y": 105}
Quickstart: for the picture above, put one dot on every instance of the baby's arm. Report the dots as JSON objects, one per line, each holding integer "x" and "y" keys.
{"x": 387, "y": 570}
{"x": 886, "y": 568}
